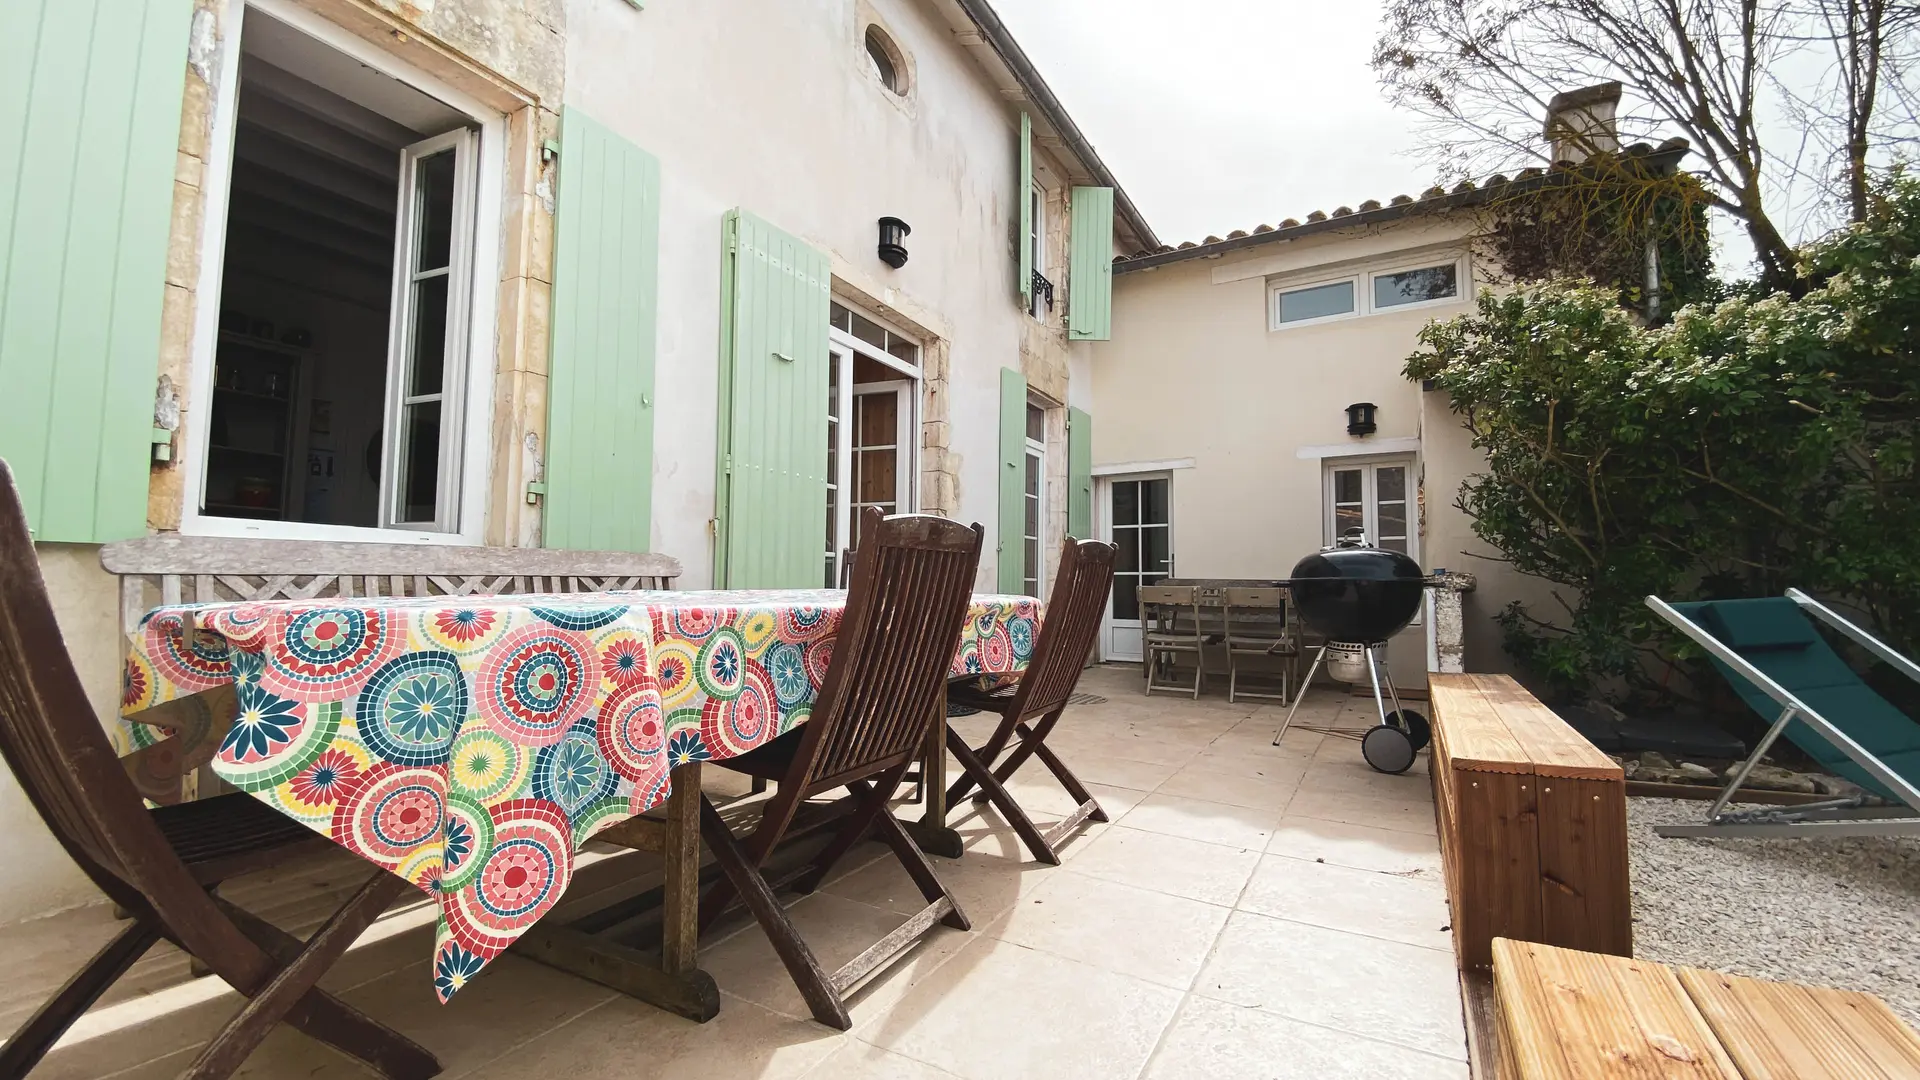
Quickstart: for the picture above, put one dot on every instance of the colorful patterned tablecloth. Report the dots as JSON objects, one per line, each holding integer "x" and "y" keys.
{"x": 472, "y": 745}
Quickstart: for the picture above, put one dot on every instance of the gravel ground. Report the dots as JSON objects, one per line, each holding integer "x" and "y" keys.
{"x": 1840, "y": 913}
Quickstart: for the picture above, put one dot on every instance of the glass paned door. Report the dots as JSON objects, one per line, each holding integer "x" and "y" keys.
{"x": 880, "y": 442}
{"x": 1140, "y": 526}
{"x": 431, "y": 287}
{"x": 1033, "y": 531}
{"x": 839, "y": 389}
{"x": 870, "y": 441}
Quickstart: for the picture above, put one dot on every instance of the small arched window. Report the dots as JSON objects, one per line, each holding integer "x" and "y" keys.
{"x": 887, "y": 61}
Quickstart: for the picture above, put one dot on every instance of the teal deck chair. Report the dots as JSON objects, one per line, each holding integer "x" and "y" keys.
{"x": 1772, "y": 654}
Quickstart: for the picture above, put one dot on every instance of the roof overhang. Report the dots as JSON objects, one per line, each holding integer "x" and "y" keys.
{"x": 979, "y": 30}
{"x": 1662, "y": 159}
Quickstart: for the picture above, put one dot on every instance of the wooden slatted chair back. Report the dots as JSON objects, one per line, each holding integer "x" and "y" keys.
{"x": 1072, "y": 622}
{"x": 54, "y": 742}
{"x": 1164, "y": 606}
{"x": 911, "y": 589}
{"x": 170, "y": 569}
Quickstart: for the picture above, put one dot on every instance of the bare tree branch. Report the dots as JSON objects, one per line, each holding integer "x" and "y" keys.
{"x": 1482, "y": 72}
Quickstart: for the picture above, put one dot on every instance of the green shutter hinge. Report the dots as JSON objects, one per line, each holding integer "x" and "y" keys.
{"x": 536, "y": 490}
{"x": 549, "y": 150}
{"x": 162, "y": 444}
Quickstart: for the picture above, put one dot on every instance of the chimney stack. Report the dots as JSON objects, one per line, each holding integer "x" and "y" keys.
{"x": 1580, "y": 123}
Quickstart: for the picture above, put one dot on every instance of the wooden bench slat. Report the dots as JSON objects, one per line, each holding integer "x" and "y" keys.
{"x": 1476, "y": 735}
{"x": 1569, "y": 1015}
{"x": 1784, "y": 1031}
{"x": 1554, "y": 747}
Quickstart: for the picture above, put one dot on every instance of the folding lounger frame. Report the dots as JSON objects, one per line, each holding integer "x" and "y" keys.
{"x": 1837, "y": 817}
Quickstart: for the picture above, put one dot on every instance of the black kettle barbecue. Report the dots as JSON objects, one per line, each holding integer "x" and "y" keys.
{"x": 1357, "y": 596}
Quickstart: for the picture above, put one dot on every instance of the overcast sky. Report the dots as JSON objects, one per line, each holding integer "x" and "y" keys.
{"x": 1218, "y": 115}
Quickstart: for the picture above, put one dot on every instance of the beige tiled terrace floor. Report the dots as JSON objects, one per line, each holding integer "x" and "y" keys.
{"x": 1250, "y": 912}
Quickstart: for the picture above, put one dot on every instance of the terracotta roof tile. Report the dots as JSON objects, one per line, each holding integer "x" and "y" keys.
{"x": 1460, "y": 193}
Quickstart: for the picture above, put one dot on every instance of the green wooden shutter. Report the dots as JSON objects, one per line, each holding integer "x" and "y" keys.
{"x": 1079, "y": 474}
{"x": 599, "y": 471}
{"x": 1024, "y": 194}
{"x": 1090, "y": 302}
{"x": 90, "y": 94}
{"x": 772, "y": 486}
{"x": 1013, "y": 479}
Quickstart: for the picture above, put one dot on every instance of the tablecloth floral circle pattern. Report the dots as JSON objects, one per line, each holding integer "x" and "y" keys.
{"x": 471, "y": 745}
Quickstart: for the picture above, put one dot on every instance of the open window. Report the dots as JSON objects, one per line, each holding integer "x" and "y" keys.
{"x": 431, "y": 284}
{"x": 1036, "y": 241}
{"x": 345, "y": 366}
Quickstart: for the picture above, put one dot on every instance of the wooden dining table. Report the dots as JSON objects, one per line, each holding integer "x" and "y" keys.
{"x": 473, "y": 744}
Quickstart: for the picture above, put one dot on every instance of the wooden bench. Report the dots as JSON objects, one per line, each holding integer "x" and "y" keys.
{"x": 174, "y": 569}
{"x": 1565, "y": 1014}
{"x": 1532, "y": 821}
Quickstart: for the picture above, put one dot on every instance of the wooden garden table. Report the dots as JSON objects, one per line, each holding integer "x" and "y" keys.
{"x": 473, "y": 744}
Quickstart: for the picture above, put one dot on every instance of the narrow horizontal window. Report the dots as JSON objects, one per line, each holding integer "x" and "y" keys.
{"x": 1416, "y": 286}
{"x": 1315, "y": 302}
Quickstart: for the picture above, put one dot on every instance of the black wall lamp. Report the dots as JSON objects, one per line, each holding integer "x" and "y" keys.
{"x": 893, "y": 241}
{"x": 1360, "y": 418}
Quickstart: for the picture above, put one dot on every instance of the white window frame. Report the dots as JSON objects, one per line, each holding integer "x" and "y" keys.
{"x": 1369, "y": 467}
{"x": 474, "y": 449}
{"x": 1363, "y": 279}
{"x": 1460, "y": 285}
{"x": 1037, "y": 245}
{"x": 452, "y": 391}
{"x": 1274, "y": 294}
{"x": 842, "y": 347}
{"x": 1034, "y": 460}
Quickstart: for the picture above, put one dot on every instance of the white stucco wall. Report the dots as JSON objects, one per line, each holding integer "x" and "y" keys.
{"x": 828, "y": 152}
{"x": 1193, "y": 371}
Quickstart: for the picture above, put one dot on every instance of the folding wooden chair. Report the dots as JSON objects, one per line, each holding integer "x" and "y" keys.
{"x": 1031, "y": 706}
{"x": 1259, "y": 628}
{"x": 1172, "y": 627}
{"x": 911, "y": 590}
{"x": 161, "y": 866}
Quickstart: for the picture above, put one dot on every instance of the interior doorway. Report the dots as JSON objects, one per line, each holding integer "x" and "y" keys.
{"x": 873, "y": 380}
{"x": 341, "y": 361}
{"x": 1139, "y": 523}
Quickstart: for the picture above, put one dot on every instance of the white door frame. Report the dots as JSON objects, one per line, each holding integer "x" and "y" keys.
{"x": 842, "y": 347}
{"x": 1103, "y": 512}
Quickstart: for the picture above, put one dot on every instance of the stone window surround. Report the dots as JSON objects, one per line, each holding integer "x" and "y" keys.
{"x": 518, "y": 422}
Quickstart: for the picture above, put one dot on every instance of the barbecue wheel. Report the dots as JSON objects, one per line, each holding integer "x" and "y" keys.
{"x": 1414, "y": 725}
{"x": 1387, "y": 749}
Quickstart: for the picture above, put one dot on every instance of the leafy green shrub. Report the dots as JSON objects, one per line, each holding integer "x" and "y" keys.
{"x": 1748, "y": 445}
